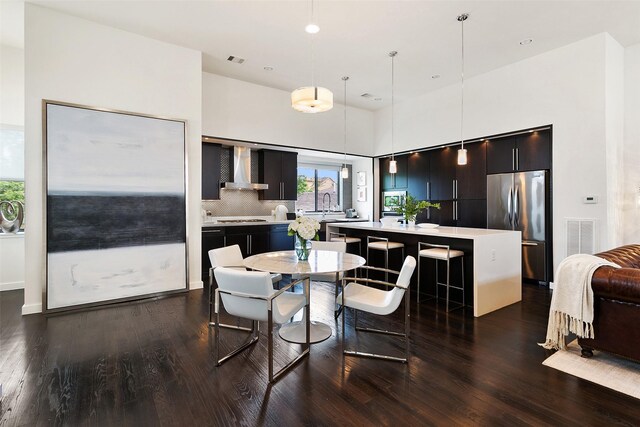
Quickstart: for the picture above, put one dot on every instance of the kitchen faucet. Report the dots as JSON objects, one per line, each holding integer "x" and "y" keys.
{"x": 323, "y": 198}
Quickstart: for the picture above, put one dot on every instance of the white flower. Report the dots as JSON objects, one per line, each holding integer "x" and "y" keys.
{"x": 294, "y": 226}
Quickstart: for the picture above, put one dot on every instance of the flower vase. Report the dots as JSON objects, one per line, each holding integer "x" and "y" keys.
{"x": 411, "y": 221}
{"x": 302, "y": 247}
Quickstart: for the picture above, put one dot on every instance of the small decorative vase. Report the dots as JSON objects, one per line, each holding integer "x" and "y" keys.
{"x": 411, "y": 223}
{"x": 303, "y": 248}
{"x": 15, "y": 210}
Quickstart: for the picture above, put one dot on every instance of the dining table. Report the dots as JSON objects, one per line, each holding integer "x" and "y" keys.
{"x": 319, "y": 262}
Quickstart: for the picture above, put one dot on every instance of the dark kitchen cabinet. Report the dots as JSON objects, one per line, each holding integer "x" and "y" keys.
{"x": 397, "y": 180}
{"x": 533, "y": 151}
{"x": 278, "y": 169}
{"x": 418, "y": 175}
{"x": 210, "y": 171}
{"x": 279, "y": 240}
{"x": 212, "y": 238}
{"x": 251, "y": 239}
{"x": 444, "y": 215}
{"x": 471, "y": 213}
{"x": 471, "y": 179}
{"x": 442, "y": 173}
{"x": 526, "y": 152}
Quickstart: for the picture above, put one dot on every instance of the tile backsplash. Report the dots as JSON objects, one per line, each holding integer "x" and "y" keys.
{"x": 243, "y": 203}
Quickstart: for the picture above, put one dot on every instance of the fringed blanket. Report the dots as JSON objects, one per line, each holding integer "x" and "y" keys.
{"x": 572, "y": 300}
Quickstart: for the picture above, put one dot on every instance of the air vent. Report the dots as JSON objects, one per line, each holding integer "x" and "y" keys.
{"x": 371, "y": 96}
{"x": 367, "y": 95}
{"x": 235, "y": 59}
{"x": 581, "y": 236}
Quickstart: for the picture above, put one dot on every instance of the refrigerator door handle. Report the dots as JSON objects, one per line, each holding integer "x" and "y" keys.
{"x": 509, "y": 206}
{"x": 529, "y": 244}
{"x": 516, "y": 207}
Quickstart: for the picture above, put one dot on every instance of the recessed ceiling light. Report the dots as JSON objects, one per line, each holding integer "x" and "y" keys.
{"x": 526, "y": 42}
{"x": 312, "y": 28}
{"x": 435, "y": 76}
{"x": 268, "y": 68}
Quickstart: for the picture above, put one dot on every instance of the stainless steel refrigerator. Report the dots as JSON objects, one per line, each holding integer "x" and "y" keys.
{"x": 519, "y": 201}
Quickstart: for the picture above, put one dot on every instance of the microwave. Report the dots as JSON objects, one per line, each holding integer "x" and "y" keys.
{"x": 391, "y": 199}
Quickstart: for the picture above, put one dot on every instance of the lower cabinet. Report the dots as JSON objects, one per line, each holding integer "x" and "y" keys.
{"x": 279, "y": 240}
{"x": 212, "y": 238}
{"x": 252, "y": 240}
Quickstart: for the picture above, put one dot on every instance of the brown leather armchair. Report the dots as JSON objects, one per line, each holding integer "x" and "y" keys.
{"x": 616, "y": 323}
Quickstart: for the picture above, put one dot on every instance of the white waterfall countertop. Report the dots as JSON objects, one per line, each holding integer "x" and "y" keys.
{"x": 451, "y": 232}
{"x": 496, "y": 258}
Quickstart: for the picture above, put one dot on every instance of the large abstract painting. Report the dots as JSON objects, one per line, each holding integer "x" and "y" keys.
{"x": 116, "y": 212}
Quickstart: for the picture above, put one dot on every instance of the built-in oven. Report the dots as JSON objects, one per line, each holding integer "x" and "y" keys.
{"x": 391, "y": 200}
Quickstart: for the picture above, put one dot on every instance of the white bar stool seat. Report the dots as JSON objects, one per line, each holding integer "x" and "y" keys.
{"x": 383, "y": 244}
{"x": 341, "y": 237}
{"x": 441, "y": 253}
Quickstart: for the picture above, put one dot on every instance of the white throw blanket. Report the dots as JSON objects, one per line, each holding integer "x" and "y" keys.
{"x": 572, "y": 300}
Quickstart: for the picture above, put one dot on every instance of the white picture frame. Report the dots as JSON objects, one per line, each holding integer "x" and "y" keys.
{"x": 362, "y": 178}
{"x": 362, "y": 194}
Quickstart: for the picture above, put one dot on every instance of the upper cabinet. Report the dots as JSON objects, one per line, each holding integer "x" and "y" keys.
{"x": 526, "y": 152}
{"x": 418, "y": 175}
{"x": 443, "y": 173}
{"x": 394, "y": 181}
{"x": 278, "y": 169}
{"x": 210, "y": 171}
{"x": 471, "y": 179}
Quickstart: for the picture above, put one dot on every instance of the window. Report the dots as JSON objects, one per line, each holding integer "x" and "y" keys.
{"x": 314, "y": 183}
{"x": 11, "y": 165}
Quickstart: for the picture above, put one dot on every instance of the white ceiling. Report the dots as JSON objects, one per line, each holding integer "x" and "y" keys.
{"x": 356, "y": 36}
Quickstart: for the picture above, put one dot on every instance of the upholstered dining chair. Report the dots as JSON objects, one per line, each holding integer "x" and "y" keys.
{"x": 336, "y": 246}
{"x": 250, "y": 295}
{"x": 360, "y": 297}
{"x": 228, "y": 256}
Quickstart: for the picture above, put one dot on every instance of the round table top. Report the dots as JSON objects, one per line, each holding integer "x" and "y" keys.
{"x": 286, "y": 262}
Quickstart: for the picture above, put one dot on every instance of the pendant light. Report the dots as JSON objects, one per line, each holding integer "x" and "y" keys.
{"x": 393, "y": 165}
{"x": 312, "y": 99}
{"x": 462, "y": 152}
{"x": 345, "y": 170}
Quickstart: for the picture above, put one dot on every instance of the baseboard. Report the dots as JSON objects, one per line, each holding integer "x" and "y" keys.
{"x": 11, "y": 286}
{"x": 31, "y": 309}
{"x": 196, "y": 285}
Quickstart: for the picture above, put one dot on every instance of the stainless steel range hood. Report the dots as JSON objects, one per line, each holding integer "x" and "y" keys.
{"x": 242, "y": 172}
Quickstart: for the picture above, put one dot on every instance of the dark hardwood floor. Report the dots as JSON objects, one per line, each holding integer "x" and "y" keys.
{"x": 150, "y": 363}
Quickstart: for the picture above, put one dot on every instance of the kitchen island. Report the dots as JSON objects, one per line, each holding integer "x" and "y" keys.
{"x": 493, "y": 266}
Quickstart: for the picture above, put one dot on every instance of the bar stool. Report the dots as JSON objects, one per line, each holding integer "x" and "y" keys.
{"x": 441, "y": 253}
{"x": 383, "y": 244}
{"x": 342, "y": 237}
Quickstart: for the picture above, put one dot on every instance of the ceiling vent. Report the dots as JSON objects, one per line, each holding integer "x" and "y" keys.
{"x": 371, "y": 97}
{"x": 235, "y": 59}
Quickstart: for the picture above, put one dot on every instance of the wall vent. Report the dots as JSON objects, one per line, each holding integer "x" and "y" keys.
{"x": 235, "y": 59}
{"x": 366, "y": 95}
{"x": 581, "y": 236}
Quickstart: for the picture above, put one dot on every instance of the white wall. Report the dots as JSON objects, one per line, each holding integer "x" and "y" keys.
{"x": 11, "y": 113}
{"x": 365, "y": 209}
{"x": 632, "y": 145}
{"x": 565, "y": 87}
{"x": 236, "y": 109}
{"x": 75, "y": 60}
{"x": 11, "y": 86}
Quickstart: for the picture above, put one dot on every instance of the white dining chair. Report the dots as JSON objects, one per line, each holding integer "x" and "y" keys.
{"x": 336, "y": 246}
{"x": 361, "y": 297}
{"x": 228, "y": 256}
{"x": 250, "y": 295}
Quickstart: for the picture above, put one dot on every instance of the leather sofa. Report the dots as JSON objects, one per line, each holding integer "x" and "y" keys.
{"x": 616, "y": 323}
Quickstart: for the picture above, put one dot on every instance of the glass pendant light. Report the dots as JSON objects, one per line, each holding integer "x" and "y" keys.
{"x": 393, "y": 165}
{"x": 312, "y": 99}
{"x": 462, "y": 152}
{"x": 345, "y": 170}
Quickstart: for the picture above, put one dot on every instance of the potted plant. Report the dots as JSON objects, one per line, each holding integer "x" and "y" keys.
{"x": 304, "y": 229}
{"x": 412, "y": 207}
